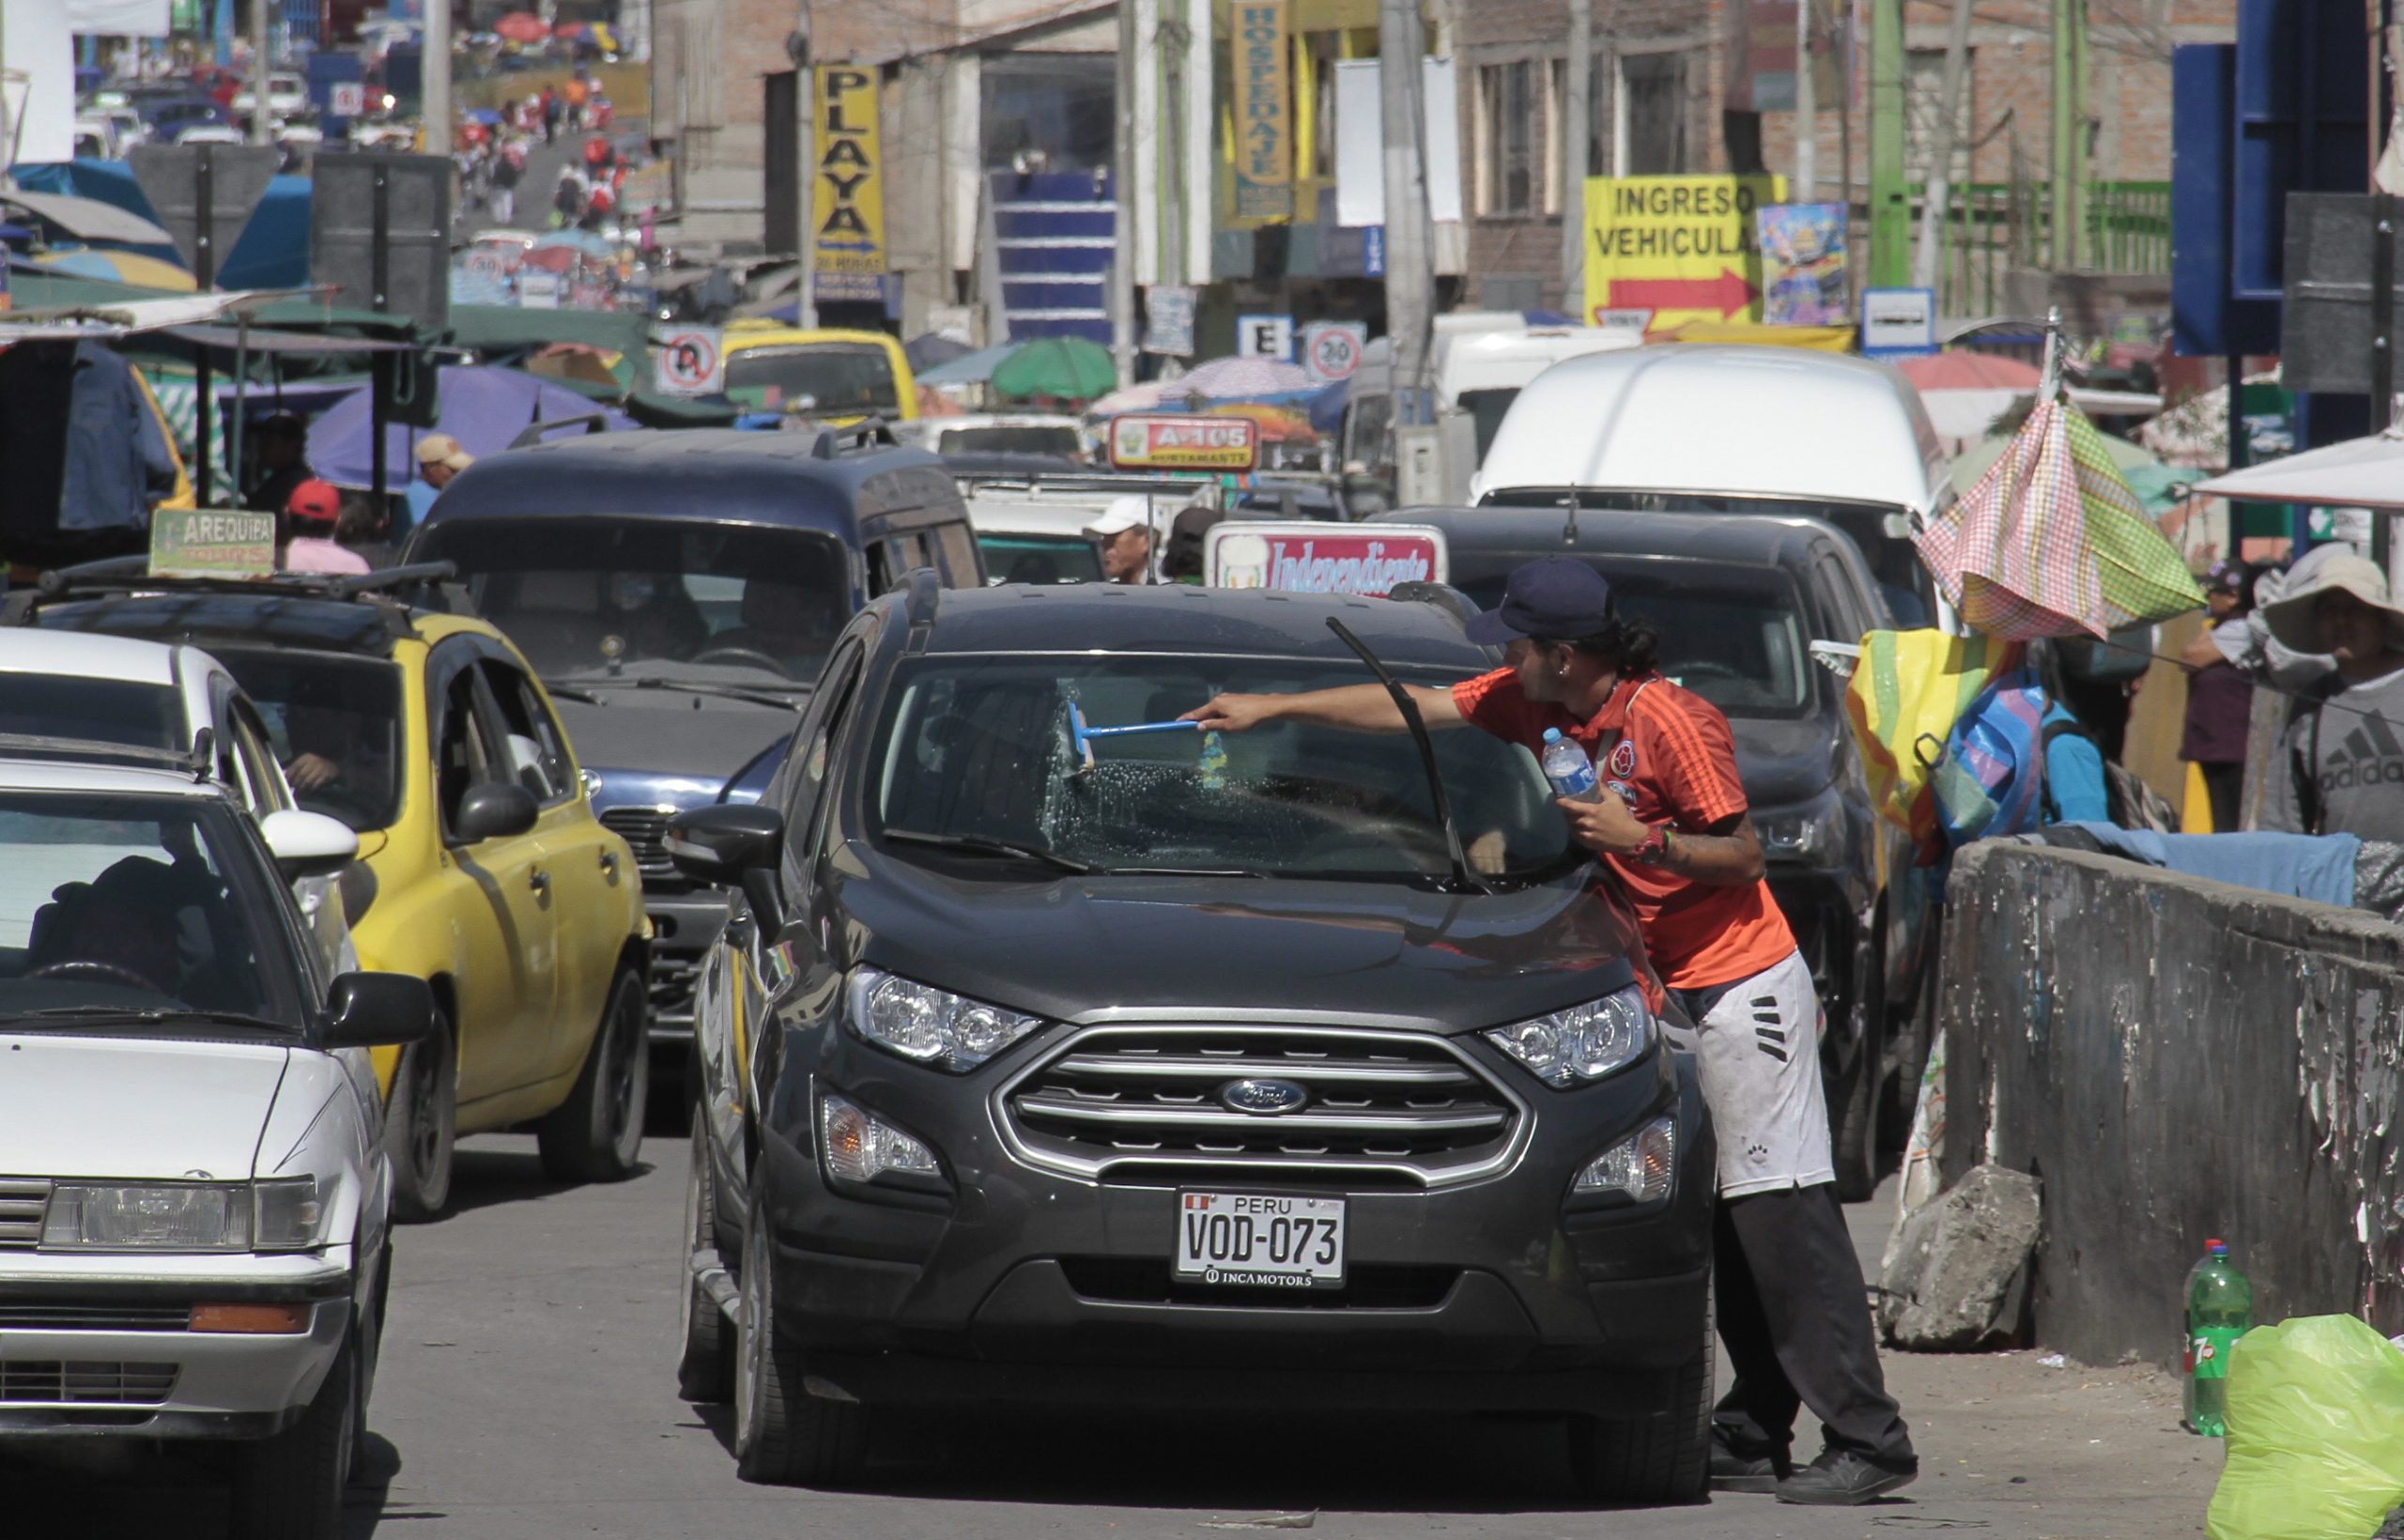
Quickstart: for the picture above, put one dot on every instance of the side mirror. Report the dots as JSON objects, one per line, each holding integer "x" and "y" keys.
{"x": 494, "y": 810}
{"x": 718, "y": 843}
{"x": 376, "y": 1010}
{"x": 306, "y": 844}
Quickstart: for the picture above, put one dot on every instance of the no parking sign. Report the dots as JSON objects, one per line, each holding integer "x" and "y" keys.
{"x": 692, "y": 361}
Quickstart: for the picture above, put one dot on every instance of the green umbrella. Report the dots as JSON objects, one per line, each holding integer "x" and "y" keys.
{"x": 2157, "y": 486}
{"x": 1062, "y": 366}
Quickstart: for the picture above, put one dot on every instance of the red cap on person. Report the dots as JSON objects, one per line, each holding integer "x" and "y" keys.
{"x": 316, "y": 501}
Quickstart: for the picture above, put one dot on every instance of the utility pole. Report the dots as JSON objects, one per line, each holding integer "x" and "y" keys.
{"x": 261, "y": 128}
{"x": 1891, "y": 198}
{"x": 2069, "y": 190}
{"x": 1410, "y": 275}
{"x": 1122, "y": 197}
{"x": 1577, "y": 117}
{"x": 1940, "y": 153}
{"x": 805, "y": 159}
{"x": 436, "y": 96}
{"x": 1807, "y": 105}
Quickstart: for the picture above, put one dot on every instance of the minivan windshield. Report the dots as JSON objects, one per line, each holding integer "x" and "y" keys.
{"x": 976, "y": 751}
{"x": 654, "y": 597}
{"x": 838, "y": 377}
{"x": 113, "y": 907}
{"x": 1734, "y": 635}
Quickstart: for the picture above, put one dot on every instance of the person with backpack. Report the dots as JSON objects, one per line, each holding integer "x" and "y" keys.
{"x": 2339, "y": 764}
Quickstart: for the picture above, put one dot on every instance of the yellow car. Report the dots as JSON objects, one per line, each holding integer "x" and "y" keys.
{"x": 831, "y": 376}
{"x": 482, "y": 871}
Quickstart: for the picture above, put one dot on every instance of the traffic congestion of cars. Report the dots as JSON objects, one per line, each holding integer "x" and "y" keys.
{"x": 1026, "y": 1063}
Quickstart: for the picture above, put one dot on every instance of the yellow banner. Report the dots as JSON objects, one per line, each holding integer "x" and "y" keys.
{"x": 847, "y": 203}
{"x": 1684, "y": 248}
{"x": 1264, "y": 111}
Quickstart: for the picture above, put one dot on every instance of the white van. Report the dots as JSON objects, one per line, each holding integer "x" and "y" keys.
{"x": 1693, "y": 428}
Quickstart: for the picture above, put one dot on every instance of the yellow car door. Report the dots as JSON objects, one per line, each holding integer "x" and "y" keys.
{"x": 503, "y": 909}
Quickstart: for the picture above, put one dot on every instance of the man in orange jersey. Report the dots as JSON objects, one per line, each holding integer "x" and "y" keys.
{"x": 1673, "y": 827}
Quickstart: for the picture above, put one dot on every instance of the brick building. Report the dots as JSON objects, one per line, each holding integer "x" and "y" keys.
{"x": 1709, "y": 86}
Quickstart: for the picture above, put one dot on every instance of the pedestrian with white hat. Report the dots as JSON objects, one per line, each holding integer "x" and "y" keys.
{"x": 1123, "y": 535}
{"x": 2339, "y": 764}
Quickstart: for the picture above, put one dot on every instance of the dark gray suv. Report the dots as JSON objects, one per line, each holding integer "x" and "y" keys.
{"x": 1200, "y": 1072}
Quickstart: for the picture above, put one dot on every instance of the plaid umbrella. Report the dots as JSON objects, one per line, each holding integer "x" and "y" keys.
{"x": 1221, "y": 379}
{"x": 2052, "y": 542}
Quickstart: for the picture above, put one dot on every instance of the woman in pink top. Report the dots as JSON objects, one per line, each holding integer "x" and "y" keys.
{"x": 307, "y": 542}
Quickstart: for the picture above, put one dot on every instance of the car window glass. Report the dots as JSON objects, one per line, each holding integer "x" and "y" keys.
{"x": 958, "y": 549}
{"x": 895, "y": 556}
{"x": 813, "y": 752}
{"x": 1845, "y": 618}
{"x": 264, "y": 785}
{"x": 334, "y": 724}
{"x": 463, "y": 754}
{"x": 536, "y": 750}
{"x": 109, "y": 711}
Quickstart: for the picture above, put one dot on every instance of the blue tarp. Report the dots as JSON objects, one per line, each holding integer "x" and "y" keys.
{"x": 272, "y": 251}
{"x": 482, "y": 406}
{"x": 1327, "y": 407}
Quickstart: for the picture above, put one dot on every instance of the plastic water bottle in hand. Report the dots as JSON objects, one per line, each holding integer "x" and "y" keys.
{"x": 1567, "y": 767}
{"x": 2220, "y": 1310}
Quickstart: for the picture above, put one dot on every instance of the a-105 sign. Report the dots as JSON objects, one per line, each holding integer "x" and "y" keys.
{"x": 1306, "y": 557}
{"x": 1159, "y": 442}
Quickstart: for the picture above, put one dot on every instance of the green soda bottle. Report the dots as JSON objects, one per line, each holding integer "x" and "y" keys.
{"x": 2220, "y": 1310}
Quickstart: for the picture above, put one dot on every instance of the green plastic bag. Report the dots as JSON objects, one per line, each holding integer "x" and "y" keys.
{"x": 2315, "y": 1433}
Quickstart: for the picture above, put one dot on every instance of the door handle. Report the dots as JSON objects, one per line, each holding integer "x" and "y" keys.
{"x": 539, "y": 880}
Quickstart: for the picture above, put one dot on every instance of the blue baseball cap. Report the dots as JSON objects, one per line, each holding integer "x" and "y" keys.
{"x": 1554, "y": 596}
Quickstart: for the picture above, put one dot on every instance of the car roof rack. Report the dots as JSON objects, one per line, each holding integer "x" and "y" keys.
{"x": 865, "y": 436}
{"x": 129, "y": 574}
{"x": 194, "y": 762}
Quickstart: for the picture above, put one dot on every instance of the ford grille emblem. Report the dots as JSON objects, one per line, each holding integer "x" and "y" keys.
{"x": 1267, "y": 1098}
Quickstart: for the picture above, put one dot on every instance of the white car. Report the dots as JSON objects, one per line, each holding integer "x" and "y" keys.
{"x": 211, "y": 133}
{"x": 194, "y": 1233}
{"x": 87, "y": 691}
{"x": 287, "y": 96}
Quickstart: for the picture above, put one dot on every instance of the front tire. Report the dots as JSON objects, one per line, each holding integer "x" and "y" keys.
{"x": 597, "y": 1134}
{"x": 705, "y": 1364}
{"x": 422, "y": 1124}
{"x": 1655, "y": 1460}
{"x": 1853, "y": 1096}
{"x": 783, "y": 1435}
{"x": 290, "y": 1486}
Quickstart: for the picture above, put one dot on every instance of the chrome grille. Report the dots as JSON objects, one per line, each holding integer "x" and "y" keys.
{"x": 1119, "y": 1097}
{"x": 644, "y": 828}
{"x": 86, "y": 1383}
{"x": 24, "y": 1200}
{"x": 71, "y": 1316}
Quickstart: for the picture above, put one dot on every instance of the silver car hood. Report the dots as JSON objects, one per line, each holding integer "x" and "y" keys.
{"x": 83, "y": 1106}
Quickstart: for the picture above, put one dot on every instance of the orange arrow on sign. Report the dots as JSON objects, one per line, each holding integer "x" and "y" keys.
{"x": 1730, "y": 293}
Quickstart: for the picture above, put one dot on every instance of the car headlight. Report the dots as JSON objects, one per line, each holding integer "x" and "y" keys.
{"x": 1582, "y": 1043}
{"x": 860, "y": 1147}
{"x": 1812, "y": 832}
{"x": 1641, "y": 1165}
{"x": 280, "y": 1215}
{"x": 931, "y": 1025}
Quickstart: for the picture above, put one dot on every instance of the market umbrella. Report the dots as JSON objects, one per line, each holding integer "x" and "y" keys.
{"x": 1069, "y": 367}
{"x": 2355, "y": 473}
{"x": 482, "y": 406}
{"x": 969, "y": 368}
{"x": 1960, "y": 370}
{"x": 928, "y": 348}
{"x": 120, "y": 267}
{"x": 1220, "y": 380}
{"x": 2160, "y": 487}
{"x": 522, "y": 26}
{"x": 2052, "y": 542}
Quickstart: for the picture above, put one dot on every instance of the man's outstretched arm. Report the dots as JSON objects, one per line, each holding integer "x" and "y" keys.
{"x": 1360, "y": 708}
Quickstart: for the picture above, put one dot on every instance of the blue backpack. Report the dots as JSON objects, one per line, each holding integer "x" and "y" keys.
{"x": 1989, "y": 775}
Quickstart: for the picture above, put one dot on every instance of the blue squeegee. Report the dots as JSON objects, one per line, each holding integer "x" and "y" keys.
{"x": 1081, "y": 736}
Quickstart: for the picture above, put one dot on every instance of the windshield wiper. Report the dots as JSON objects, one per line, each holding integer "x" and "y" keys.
{"x": 979, "y": 844}
{"x": 1464, "y": 879}
{"x": 149, "y": 1016}
{"x": 758, "y": 695}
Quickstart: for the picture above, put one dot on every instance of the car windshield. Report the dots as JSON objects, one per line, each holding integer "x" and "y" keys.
{"x": 681, "y": 595}
{"x": 1027, "y": 439}
{"x": 1040, "y": 558}
{"x": 1734, "y": 635}
{"x": 334, "y": 723}
{"x": 115, "y": 905}
{"x": 108, "y": 711}
{"x": 837, "y": 376}
{"x": 1902, "y": 582}
{"x": 978, "y": 751}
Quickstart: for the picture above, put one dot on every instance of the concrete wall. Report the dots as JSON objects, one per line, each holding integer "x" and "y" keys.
{"x": 2177, "y": 1059}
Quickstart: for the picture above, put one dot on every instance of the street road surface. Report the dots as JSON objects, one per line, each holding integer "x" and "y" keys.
{"x": 527, "y": 1393}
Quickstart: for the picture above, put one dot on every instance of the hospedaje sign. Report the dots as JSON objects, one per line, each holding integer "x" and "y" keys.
{"x": 212, "y": 543}
{"x": 847, "y": 197}
{"x": 1304, "y": 556}
{"x": 1684, "y": 248}
{"x": 1263, "y": 110}
{"x": 1166, "y": 442}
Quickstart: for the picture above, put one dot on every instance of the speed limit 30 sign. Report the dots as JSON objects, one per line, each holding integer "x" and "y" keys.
{"x": 1331, "y": 350}
{"x": 692, "y": 361}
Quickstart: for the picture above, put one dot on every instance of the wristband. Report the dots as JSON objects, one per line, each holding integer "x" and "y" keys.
{"x": 1656, "y": 848}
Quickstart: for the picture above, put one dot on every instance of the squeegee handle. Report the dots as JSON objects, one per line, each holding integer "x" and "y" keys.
{"x": 1139, "y": 727}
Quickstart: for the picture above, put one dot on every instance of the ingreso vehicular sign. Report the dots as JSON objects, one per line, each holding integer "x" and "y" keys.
{"x": 1160, "y": 442}
{"x": 1302, "y": 557}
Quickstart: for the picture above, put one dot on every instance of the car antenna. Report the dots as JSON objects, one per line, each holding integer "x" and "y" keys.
{"x": 1569, "y": 518}
{"x": 1464, "y": 880}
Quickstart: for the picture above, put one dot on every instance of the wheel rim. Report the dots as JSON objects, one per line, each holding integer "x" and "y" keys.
{"x": 621, "y": 1064}
{"x": 425, "y": 1119}
{"x": 688, "y": 1303}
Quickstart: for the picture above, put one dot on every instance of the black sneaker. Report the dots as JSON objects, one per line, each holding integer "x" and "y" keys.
{"x": 1734, "y": 1472}
{"x": 1841, "y": 1478}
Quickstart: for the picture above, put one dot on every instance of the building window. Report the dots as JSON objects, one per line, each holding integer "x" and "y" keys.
{"x": 1509, "y": 155}
{"x": 1651, "y": 138}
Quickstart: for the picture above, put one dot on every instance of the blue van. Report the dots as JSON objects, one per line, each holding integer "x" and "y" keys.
{"x": 679, "y": 592}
